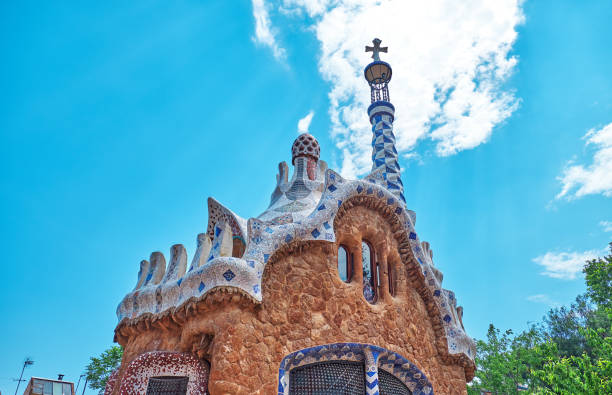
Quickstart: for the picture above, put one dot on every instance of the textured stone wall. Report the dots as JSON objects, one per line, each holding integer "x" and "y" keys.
{"x": 305, "y": 304}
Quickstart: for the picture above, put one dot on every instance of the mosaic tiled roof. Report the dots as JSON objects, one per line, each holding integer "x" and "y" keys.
{"x": 159, "y": 289}
{"x": 233, "y": 252}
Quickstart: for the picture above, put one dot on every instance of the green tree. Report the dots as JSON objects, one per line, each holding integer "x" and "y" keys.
{"x": 591, "y": 371}
{"x": 100, "y": 368}
{"x": 570, "y": 352}
{"x": 565, "y": 325}
{"x": 562, "y": 325}
{"x": 598, "y": 277}
{"x": 584, "y": 374}
{"x": 504, "y": 361}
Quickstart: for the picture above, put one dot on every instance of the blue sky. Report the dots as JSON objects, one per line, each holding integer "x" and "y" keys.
{"x": 119, "y": 119}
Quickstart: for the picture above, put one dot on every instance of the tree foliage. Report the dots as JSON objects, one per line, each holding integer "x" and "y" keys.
{"x": 598, "y": 277}
{"x": 570, "y": 352}
{"x": 562, "y": 325}
{"x": 100, "y": 368}
{"x": 583, "y": 374}
{"x": 504, "y": 361}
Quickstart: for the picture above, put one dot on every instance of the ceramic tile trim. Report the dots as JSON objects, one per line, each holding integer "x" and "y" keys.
{"x": 384, "y": 153}
{"x": 244, "y": 274}
{"x": 374, "y": 358}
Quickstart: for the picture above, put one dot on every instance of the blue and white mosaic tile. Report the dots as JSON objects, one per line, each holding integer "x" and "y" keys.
{"x": 374, "y": 358}
{"x": 302, "y": 209}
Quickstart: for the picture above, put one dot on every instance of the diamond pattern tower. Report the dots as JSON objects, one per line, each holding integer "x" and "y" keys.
{"x": 382, "y": 113}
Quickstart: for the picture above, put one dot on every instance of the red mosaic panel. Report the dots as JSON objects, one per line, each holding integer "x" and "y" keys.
{"x": 162, "y": 363}
{"x": 112, "y": 381}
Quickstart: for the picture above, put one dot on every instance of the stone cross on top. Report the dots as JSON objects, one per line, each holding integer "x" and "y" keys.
{"x": 376, "y": 49}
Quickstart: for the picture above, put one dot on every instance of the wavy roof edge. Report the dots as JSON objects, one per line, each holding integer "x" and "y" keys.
{"x": 159, "y": 291}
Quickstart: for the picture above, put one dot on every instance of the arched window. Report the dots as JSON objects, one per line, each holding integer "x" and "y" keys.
{"x": 370, "y": 275}
{"x": 333, "y": 377}
{"x": 348, "y": 369}
{"x": 345, "y": 264}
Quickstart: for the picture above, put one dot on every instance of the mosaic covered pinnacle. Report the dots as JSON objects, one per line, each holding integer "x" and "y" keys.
{"x": 305, "y": 145}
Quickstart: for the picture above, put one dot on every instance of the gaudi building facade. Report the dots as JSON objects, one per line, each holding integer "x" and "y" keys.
{"x": 328, "y": 291}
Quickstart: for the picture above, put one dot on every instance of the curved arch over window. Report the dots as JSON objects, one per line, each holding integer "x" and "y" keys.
{"x": 345, "y": 264}
{"x": 370, "y": 275}
{"x": 297, "y": 370}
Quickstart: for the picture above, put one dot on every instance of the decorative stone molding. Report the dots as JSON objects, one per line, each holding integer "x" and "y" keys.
{"x": 374, "y": 358}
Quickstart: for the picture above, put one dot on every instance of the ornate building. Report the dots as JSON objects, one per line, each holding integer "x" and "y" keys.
{"x": 328, "y": 291}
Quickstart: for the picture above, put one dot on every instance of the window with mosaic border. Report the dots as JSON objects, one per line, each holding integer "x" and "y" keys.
{"x": 396, "y": 370}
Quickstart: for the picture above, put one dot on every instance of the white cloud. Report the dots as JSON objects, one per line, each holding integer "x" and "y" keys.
{"x": 304, "y": 123}
{"x": 606, "y": 225}
{"x": 543, "y": 298}
{"x": 263, "y": 30}
{"x": 580, "y": 180}
{"x": 564, "y": 265}
{"x": 449, "y": 57}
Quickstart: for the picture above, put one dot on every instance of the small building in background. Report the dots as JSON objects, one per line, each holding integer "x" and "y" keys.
{"x": 40, "y": 386}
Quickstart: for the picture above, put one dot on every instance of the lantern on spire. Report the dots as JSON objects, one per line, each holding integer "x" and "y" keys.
{"x": 378, "y": 73}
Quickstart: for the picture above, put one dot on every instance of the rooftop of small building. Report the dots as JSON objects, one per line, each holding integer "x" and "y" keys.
{"x": 233, "y": 252}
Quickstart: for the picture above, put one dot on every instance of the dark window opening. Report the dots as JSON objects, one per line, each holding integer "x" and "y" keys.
{"x": 167, "y": 385}
{"x": 371, "y": 281}
{"x": 345, "y": 264}
{"x": 388, "y": 384}
{"x": 335, "y": 377}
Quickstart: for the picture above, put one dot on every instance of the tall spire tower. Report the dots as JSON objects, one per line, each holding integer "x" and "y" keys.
{"x": 382, "y": 113}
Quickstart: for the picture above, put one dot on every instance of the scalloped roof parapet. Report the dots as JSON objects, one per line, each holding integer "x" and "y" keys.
{"x": 263, "y": 238}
